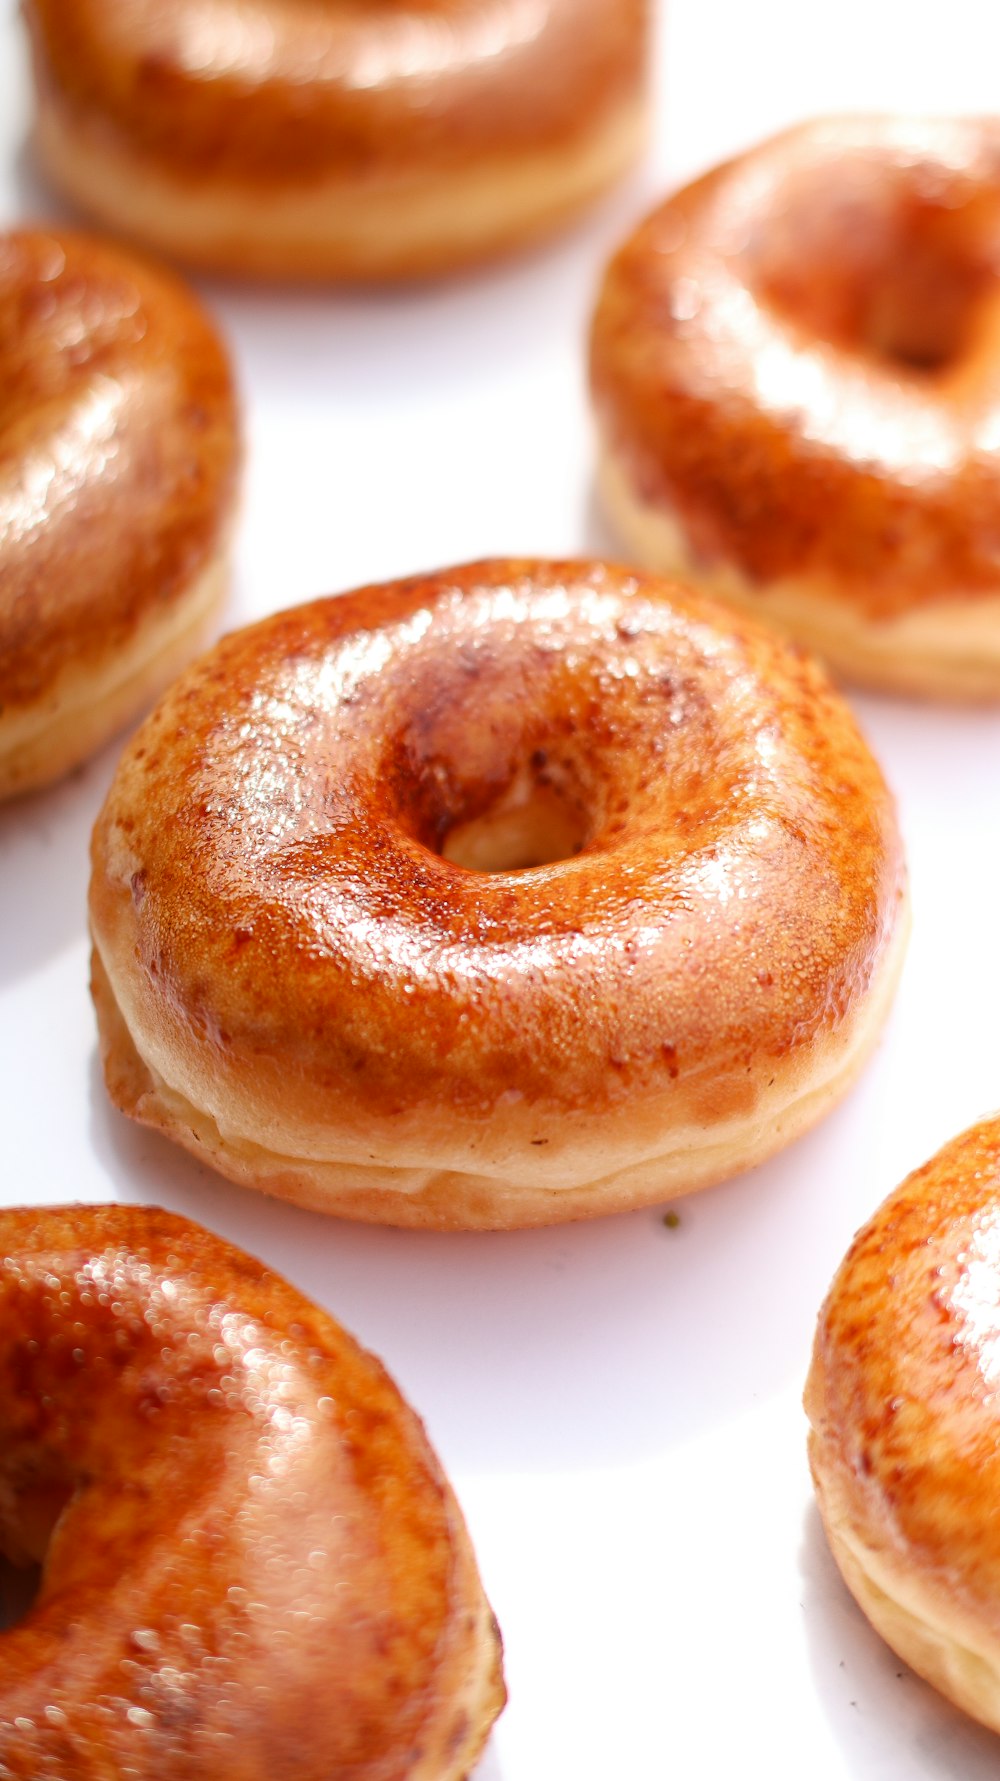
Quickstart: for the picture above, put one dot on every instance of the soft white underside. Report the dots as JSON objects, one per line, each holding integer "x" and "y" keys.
{"x": 518, "y": 1190}
{"x": 943, "y": 1646}
{"x": 948, "y": 651}
{"x": 87, "y": 705}
{"x": 337, "y": 228}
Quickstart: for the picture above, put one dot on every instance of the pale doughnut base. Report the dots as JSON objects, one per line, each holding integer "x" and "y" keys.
{"x": 87, "y": 706}
{"x": 522, "y": 1192}
{"x": 334, "y": 229}
{"x": 942, "y": 1646}
{"x": 948, "y": 651}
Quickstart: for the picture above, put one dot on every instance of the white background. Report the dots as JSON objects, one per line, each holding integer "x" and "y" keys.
{"x": 617, "y": 1403}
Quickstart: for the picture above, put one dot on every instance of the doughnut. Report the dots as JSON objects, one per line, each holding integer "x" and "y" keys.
{"x": 252, "y": 1564}
{"x": 338, "y": 139}
{"x": 905, "y": 1421}
{"x": 796, "y": 374}
{"x": 513, "y": 893}
{"x": 118, "y": 463}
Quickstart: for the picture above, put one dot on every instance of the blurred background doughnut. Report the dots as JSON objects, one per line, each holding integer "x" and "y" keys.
{"x": 796, "y": 368}
{"x": 119, "y": 455}
{"x": 335, "y": 140}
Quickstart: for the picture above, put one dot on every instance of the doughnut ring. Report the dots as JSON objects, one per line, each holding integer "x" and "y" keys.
{"x": 515, "y": 893}
{"x": 905, "y": 1436}
{"x": 332, "y": 139}
{"x": 252, "y": 1564}
{"x": 118, "y": 466}
{"x": 796, "y": 371}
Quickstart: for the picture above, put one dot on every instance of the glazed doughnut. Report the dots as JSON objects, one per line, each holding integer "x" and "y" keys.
{"x": 514, "y": 893}
{"x": 905, "y": 1437}
{"x": 338, "y": 138}
{"x": 796, "y": 370}
{"x": 118, "y": 460}
{"x": 252, "y": 1564}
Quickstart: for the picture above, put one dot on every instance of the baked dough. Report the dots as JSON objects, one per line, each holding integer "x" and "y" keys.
{"x": 510, "y": 894}
{"x": 343, "y": 139}
{"x": 118, "y": 467}
{"x": 905, "y": 1437}
{"x": 252, "y": 1565}
{"x": 796, "y": 370}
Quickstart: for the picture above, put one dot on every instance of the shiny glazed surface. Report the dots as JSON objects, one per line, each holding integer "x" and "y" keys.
{"x": 902, "y": 1397}
{"x": 118, "y": 454}
{"x": 291, "y": 948}
{"x": 257, "y": 1569}
{"x": 276, "y": 90}
{"x": 798, "y": 358}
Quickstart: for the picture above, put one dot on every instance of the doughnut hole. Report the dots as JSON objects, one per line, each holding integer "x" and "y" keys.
{"x": 534, "y": 823}
{"x": 29, "y": 1512}
{"x": 517, "y": 756}
{"x": 893, "y": 263}
{"x": 19, "y": 1587}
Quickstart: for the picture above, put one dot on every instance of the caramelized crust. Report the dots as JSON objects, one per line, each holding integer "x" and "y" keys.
{"x": 905, "y": 1438}
{"x": 796, "y": 367}
{"x": 681, "y": 954}
{"x": 268, "y": 92}
{"x": 118, "y": 458}
{"x": 252, "y": 1563}
{"x": 385, "y": 104}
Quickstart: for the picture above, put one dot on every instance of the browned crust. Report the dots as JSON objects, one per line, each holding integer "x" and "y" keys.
{"x": 118, "y": 465}
{"x": 762, "y": 379}
{"x": 905, "y": 1436}
{"x": 259, "y": 1555}
{"x": 292, "y": 955}
{"x": 436, "y": 83}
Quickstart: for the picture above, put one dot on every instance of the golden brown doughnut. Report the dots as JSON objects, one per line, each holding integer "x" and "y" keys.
{"x": 905, "y": 1438}
{"x": 796, "y": 369}
{"x": 118, "y": 459}
{"x": 252, "y": 1564}
{"x": 510, "y": 894}
{"x": 338, "y": 138}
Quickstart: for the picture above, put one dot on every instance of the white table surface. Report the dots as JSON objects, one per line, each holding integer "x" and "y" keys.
{"x": 617, "y": 1403}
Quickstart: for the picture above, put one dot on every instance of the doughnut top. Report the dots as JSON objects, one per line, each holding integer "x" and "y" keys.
{"x": 903, "y": 1394}
{"x": 118, "y": 451}
{"x": 799, "y": 355}
{"x": 716, "y": 875}
{"x": 267, "y": 89}
{"x": 253, "y": 1566}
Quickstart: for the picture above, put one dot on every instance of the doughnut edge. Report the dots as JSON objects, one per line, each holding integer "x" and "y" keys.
{"x": 425, "y": 1199}
{"x": 949, "y": 652}
{"x": 939, "y": 1647}
{"x": 334, "y": 232}
{"x": 42, "y": 744}
{"x": 907, "y": 1520}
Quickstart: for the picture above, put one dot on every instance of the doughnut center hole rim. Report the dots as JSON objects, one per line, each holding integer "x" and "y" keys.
{"x": 535, "y": 821}
{"x": 897, "y": 276}
{"x": 19, "y": 1590}
{"x": 921, "y": 313}
{"x": 34, "y": 1511}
